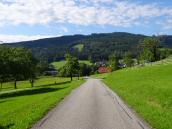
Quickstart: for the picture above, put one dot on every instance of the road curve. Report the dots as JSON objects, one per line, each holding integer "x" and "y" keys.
{"x": 91, "y": 106}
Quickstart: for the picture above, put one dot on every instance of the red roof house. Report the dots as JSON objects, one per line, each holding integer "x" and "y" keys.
{"x": 104, "y": 69}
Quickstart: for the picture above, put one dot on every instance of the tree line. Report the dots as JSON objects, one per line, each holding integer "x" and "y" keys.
{"x": 17, "y": 64}
{"x": 150, "y": 51}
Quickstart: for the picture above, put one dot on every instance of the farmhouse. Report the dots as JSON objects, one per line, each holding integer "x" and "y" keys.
{"x": 104, "y": 69}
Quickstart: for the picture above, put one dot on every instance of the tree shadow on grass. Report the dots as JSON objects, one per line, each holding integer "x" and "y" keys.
{"x": 30, "y": 92}
{"x": 6, "y": 127}
{"x": 0, "y": 103}
{"x": 4, "y": 87}
{"x": 54, "y": 84}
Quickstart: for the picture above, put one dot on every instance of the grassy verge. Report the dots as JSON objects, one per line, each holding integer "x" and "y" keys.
{"x": 21, "y": 109}
{"x": 101, "y": 76}
{"x": 148, "y": 90}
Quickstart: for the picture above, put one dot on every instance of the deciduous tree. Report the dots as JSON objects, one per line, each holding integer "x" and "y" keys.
{"x": 72, "y": 65}
{"x": 128, "y": 60}
{"x": 113, "y": 62}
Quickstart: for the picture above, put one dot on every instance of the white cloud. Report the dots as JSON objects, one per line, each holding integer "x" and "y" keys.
{"x": 79, "y": 12}
{"x": 16, "y": 38}
{"x": 167, "y": 24}
{"x": 64, "y": 29}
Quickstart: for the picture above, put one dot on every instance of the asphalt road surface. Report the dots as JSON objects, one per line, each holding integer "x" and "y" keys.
{"x": 92, "y": 106}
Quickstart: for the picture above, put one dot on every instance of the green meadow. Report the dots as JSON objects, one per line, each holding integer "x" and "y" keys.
{"x": 79, "y": 47}
{"x": 21, "y": 108}
{"x": 40, "y": 82}
{"x": 60, "y": 64}
{"x": 148, "y": 90}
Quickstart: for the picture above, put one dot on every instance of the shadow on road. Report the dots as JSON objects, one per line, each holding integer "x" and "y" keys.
{"x": 30, "y": 92}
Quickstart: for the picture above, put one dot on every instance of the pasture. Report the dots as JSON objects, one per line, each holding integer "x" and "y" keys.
{"x": 21, "y": 108}
{"x": 60, "y": 64}
{"x": 148, "y": 90}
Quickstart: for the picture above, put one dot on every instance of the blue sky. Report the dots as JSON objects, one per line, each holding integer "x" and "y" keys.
{"x": 33, "y": 19}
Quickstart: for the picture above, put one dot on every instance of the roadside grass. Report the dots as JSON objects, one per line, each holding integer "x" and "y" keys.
{"x": 148, "y": 90}
{"x": 101, "y": 75}
{"x": 21, "y": 109}
{"x": 60, "y": 64}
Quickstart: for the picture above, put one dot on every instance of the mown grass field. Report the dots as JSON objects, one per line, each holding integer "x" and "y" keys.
{"x": 60, "y": 64}
{"x": 22, "y": 108}
{"x": 148, "y": 90}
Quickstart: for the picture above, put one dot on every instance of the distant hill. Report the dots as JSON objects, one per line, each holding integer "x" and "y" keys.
{"x": 166, "y": 40}
{"x": 50, "y": 48}
{"x": 94, "y": 46}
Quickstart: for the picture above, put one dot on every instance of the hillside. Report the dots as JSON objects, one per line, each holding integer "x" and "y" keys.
{"x": 146, "y": 89}
{"x": 97, "y": 46}
{"x": 94, "y": 46}
{"x": 50, "y": 48}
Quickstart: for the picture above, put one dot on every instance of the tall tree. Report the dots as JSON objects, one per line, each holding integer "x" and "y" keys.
{"x": 32, "y": 68}
{"x": 150, "y": 45}
{"x": 4, "y": 64}
{"x": 128, "y": 60}
{"x": 113, "y": 62}
{"x": 146, "y": 56}
{"x": 76, "y": 66}
{"x": 72, "y": 65}
{"x": 17, "y": 64}
{"x": 22, "y": 65}
{"x": 85, "y": 69}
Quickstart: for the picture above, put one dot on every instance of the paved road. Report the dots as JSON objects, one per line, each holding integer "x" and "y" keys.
{"x": 92, "y": 106}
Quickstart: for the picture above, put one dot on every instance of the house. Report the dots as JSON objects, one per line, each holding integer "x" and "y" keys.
{"x": 104, "y": 69}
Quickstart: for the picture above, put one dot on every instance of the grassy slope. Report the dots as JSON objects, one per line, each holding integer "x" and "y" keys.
{"x": 79, "y": 47}
{"x": 21, "y": 109}
{"x": 60, "y": 64}
{"x": 164, "y": 61}
{"x": 148, "y": 90}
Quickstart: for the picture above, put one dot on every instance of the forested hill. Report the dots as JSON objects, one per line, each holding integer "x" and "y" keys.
{"x": 166, "y": 40}
{"x": 94, "y": 46}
